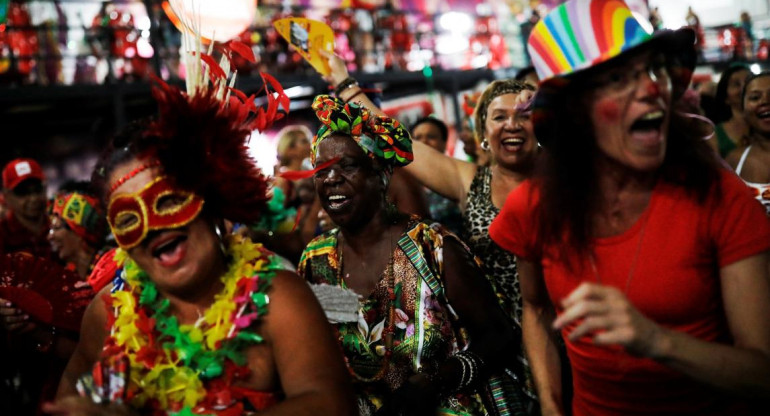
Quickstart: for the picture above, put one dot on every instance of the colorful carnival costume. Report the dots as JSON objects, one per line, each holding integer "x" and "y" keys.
{"x": 197, "y": 147}
{"x": 406, "y": 325}
{"x": 424, "y": 326}
{"x": 186, "y": 369}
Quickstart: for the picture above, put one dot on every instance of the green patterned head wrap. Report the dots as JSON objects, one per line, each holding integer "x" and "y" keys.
{"x": 380, "y": 137}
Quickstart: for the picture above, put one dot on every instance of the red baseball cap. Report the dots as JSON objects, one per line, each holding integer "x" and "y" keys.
{"x": 19, "y": 170}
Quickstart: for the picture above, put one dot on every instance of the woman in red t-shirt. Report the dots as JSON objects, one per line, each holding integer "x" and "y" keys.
{"x": 650, "y": 258}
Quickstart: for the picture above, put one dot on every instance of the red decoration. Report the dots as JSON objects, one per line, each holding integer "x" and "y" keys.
{"x": 144, "y": 207}
{"x": 44, "y": 290}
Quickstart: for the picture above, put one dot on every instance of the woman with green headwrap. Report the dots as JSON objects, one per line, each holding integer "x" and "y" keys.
{"x": 408, "y": 350}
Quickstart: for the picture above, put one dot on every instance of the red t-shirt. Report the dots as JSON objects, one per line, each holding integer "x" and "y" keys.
{"x": 675, "y": 282}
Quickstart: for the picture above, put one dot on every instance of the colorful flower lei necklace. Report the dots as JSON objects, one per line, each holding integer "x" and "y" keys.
{"x": 169, "y": 363}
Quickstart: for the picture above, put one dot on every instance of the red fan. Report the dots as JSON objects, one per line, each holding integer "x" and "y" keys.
{"x": 45, "y": 290}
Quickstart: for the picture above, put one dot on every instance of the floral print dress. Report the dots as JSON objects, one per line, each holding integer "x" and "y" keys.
{"x": 425, "y": 333}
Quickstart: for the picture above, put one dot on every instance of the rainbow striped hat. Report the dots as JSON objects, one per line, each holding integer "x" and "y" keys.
{"x": 582, "y": 33}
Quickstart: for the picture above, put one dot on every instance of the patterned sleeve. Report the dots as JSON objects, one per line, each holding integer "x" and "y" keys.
{"x": 302, "y": 268}
{"x": 318, "y": 249}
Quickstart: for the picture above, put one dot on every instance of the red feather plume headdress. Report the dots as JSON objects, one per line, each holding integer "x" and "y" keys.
{"x": 201, "y": 136}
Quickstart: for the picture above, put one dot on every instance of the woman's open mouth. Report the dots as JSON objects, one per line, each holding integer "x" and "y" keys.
{"x": 647, "y": 129}
{"x": 169, "y": 250}
{"x": 763, "y": 115}
{"x": 337, "y": 201}
{"x": 513, "y": 144}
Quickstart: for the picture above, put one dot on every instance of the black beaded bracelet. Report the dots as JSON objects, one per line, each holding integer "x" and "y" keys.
{"x": 345, "y": 84}
{"x": 474, "y": 365}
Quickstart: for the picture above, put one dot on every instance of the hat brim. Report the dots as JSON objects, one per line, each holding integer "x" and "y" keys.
{"x": 30, "y": 177}
{"x": 681, "y": 56}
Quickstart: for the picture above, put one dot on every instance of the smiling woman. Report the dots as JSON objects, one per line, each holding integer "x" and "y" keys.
{"x": 752, "y": 162}
{"x": 196, "y": 320}
{"x": 409, "y": 351}
{"x": 653, "y": 257}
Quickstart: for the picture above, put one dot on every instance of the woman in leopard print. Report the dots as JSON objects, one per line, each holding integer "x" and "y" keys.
{"x": 502, "y": 125}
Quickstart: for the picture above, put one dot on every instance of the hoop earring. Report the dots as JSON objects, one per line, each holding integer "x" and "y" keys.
{"x": 221, "y": 238}
{"x": 485, "y": 145}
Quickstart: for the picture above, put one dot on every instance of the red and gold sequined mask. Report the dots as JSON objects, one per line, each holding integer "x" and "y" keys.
{"x": 157, "y": 206}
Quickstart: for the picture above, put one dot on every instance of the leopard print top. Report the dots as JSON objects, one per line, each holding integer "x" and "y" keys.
{"x": 498, "y": 263}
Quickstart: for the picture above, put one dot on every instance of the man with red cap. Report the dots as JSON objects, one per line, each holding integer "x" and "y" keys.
{"x": 25, "y": 224}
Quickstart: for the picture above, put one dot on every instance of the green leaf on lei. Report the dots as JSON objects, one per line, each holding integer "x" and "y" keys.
{"x": 260, "y": 300}
{"x": 210, "y": 367}
{"x": 249, "y": 337}
{"x": 149, "y": 294}
{"x": 186, "y": 411}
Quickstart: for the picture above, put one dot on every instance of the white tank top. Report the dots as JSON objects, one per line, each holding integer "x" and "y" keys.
{"x": 761, "y": 190}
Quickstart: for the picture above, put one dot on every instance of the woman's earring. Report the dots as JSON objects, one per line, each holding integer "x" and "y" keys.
{"x": 221, "y": 238}
{"x": 485, "y": 145}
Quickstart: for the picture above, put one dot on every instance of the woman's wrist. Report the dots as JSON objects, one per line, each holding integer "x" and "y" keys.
{"x": 458, "y": 372}
{"x": 350, "y": 94}
{"x": 662, "y": 344}
{"x": 345, "y": 84}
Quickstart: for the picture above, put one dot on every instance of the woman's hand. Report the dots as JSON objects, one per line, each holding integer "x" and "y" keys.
{"x": 524, "y": 100}
{"x": 14, "y": 319}
{"x": 610, "y": 319}
{"x": 81, "y": 406}
{"x": 418, "y": 396}
{"x": 339, "y": 71}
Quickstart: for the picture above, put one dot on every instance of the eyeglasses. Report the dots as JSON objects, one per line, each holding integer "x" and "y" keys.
{"x": 623, "y": 79}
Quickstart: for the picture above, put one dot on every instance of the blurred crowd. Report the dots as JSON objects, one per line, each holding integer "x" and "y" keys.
{"x": 603, "y": 248}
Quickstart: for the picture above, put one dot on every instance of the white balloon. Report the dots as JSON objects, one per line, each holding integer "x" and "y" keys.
{"x": 220, "y": 20}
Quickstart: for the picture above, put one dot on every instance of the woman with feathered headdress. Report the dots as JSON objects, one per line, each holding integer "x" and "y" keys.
{"x": 197, "y": 321}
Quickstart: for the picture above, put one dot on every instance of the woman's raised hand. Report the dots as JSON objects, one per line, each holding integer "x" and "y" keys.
{"x": 608, "y": 318}
{"x": 339, "y": 71}
{"x": 13, "y": 319}
{"x": 524, "y": 100}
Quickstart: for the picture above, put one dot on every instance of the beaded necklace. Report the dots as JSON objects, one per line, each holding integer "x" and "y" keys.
{"x": 169, "y": 362}
{"x": 388, "y": 331}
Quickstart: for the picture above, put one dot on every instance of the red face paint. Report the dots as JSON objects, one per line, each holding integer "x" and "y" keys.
{"x": 653, "y": 90}
{"x": 608, "y": 110}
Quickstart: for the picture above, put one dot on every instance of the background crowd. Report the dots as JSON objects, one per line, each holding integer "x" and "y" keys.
{"x": 604, "y": 249}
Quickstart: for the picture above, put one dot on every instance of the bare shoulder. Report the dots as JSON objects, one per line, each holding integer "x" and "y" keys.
{"x": 757, "y": 166}
{"x": 291, "y": 300}
{"x": 95, "y": 317}
{"x": 289, "y": 286}
{"x": 734, "y": 156}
